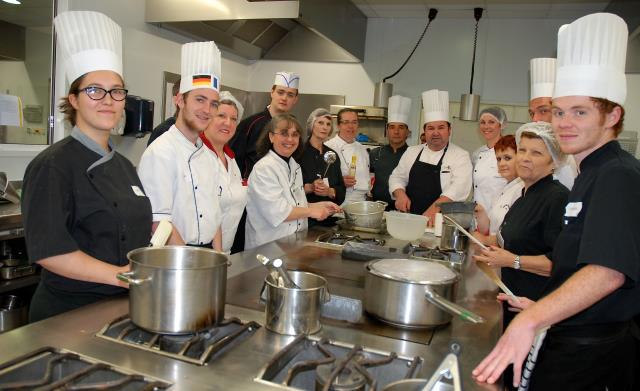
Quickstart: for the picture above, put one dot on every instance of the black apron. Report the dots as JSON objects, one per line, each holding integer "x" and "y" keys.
{"x": 424, "y": 185}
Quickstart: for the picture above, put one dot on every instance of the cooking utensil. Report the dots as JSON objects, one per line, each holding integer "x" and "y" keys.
{"x": 277, "y": 265}
{"x": 291, "y": 311}
{"x": 411, "y": 293}
{"x": 176, "y": 289}
{"x": 486, "y": 269}
{"x": 11, "y": 272}
{"x": 465, "y": 232}
{"x": 161, "y": 234}
{"x": 329, "y": 157}
{"x": 367, "y": 214}
{"x": 13, "y": 313}
{"x": 452, "y": 238}
{"x": 7, "y": 190}
{"x": 462, "y": 212}
{"x": 405, "y": 226}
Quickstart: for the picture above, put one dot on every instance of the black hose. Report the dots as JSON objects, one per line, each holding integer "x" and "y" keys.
{"x": 477, "y": 14}
{"x": 432, "y": 15}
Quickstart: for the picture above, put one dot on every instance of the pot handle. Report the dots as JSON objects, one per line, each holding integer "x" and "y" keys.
{"x": 128, "y": 278}
{"x": 452, "y": 308}
{"x": 326, "y": 296}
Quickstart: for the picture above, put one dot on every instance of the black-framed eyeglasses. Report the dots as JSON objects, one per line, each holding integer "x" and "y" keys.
{"x": 98, "y": 93}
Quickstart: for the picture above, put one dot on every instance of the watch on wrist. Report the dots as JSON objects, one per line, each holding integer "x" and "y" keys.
{"x": 516, "y": 263}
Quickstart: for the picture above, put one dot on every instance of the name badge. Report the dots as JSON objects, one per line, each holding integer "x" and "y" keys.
{"x": 138, "y": 191}
{"x": 572, "y": 209}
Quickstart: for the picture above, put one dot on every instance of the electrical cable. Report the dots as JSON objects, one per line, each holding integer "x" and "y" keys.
{"x": 477, "y": 14}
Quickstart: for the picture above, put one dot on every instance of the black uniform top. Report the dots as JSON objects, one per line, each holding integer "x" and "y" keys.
{"x": 531, "y": 227}
{"x": 160, "y": 129}
{"x": 75, "y": 196}
{"x": 601, "y": 228}
{"x": 244, "y": 142}
{"x": 382, "y": 162}
{"x": 313, "y": 167}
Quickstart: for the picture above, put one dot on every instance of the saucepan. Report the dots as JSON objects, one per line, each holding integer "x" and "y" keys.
{"x": 365, "y": 214}
{"x": 410, "y": 293}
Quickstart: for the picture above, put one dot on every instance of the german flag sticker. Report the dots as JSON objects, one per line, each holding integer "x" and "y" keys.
{"x": 201, "y": 81}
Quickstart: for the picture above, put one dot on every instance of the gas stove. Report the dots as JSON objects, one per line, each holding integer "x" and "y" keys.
{"x": 197, "y": 348}
{"x": 310, "y": 363}
{"x": 339, "y": 239}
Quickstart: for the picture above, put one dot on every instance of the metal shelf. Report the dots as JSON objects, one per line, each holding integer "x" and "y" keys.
{"x": 11, "y": 285}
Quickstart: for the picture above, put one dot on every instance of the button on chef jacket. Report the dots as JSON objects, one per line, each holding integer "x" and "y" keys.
{"x": 77, "y": 196}
{"x": 455, "y": 172}
{"x": 176, "y": 175}
{"x": 275, "y": 188}
{"x": 487, "y": 182}
{"x": 600, "y": 227}
{"x": 511, "y": 192}
{"x": 232, "y": 194}
{"x": 345, "y": 152}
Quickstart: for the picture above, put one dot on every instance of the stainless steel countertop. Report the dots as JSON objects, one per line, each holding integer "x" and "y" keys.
{"x": 75, "y": 330}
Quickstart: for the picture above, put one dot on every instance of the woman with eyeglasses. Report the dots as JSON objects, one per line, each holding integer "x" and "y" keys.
{"x": 277, "y": 205}
{"x": 83, "y": 205}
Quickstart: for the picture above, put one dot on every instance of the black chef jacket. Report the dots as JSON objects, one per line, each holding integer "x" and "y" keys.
{"x": 601, "y": 227}
{"x": 531, "y": 227}
{"x": 161, "y": 129}
{"x": 314, "y": 166}
{"x": 75, "y": 196}
{"x": 244, "y": 142}
{"x": 382, "y": 162}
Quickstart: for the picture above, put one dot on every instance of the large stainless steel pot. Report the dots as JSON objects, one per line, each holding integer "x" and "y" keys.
{"x": 365, "y": 214}
{"x": 411, "y": 293}
{"x": 292, "y": 311}
{"x": 176, "y": 289}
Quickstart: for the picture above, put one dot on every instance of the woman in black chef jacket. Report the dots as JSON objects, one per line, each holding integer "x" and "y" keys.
{"x": 317, "y": 185}
{"x": 83, "y": 205}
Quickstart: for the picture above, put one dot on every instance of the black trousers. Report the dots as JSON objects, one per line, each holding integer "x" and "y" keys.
{"x": 48, "y": 301}
{"x": 586, "y": 358}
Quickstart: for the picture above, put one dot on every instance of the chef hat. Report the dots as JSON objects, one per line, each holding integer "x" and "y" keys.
{"x": 543, "y": 75}
{"x": 399, "y": 108}
{"x": 200, "y": 66}
{"x": 436, "y": 106}
{"x": 287, "y": 79}
{"x": 226, "y": 95}
{"x": 545, "y": 132}
{"x": 90, "y": 41}
{"x": 591, "y": 58}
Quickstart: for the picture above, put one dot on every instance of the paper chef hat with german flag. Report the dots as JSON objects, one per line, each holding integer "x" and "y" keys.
{"x": 200, "y": 66}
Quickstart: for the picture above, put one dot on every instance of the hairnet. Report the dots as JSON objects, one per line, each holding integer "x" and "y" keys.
{"x": 226, "y": 95}
{"x": 544, "y": 131}
{"x": 315, "y": 114}
{"x": 496, "y": 112}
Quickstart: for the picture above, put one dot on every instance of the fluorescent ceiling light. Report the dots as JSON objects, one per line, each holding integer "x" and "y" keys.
{"x": 12, "y": 1}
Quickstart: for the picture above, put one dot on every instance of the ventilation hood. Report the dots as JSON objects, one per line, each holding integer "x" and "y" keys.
{"x": 301, "y": 30}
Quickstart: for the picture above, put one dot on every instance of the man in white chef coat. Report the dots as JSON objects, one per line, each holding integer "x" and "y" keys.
{"x": 177, "y": 169}
{"x": 353, "y": 156}
{"x": 435, "y": 172}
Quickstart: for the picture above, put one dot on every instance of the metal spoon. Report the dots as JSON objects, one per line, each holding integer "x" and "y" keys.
{"x": 329, "y": 157}
{"x": 277, "y": 265}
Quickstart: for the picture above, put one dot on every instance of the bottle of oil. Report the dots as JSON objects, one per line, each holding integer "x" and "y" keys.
{"x": 352, "y": 166}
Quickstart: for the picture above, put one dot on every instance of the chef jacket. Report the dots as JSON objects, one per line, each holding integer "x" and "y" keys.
{"x": 345, "y": 152}
{"x": 314, "y": 166}
{"x": 176, "y": 175}
{"x": 567, "y": 173}
{"x": 531, "y": 227}
{"x": 511, "y": 192}
{"x": 600, "y": 227}
{"x": 244, "y": 142}
{"x": 232, "y": 195}
{"x": 487, "y": 182}
{"x": 76, "y": 196}
{"x": 383, "y": 160}
{"x": 275, "y": 188}
{"x": 455, "y": 173}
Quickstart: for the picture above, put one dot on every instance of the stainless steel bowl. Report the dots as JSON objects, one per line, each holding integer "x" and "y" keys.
{"x": 365, "y": 214}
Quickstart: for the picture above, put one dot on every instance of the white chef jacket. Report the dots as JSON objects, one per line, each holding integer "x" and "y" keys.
{"x": 510, "y": 193}
{"x": 176, "y": 175}
{"x": 455, "y": 173}
{"x": 487, "y": 182}
{"x": 275, "y": 188}
{"x": 232, "y": 196}
{"x": 567, "y": 173}
{"x": 363, "y": 179}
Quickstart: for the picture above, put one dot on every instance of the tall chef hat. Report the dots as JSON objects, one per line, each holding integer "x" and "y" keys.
{"x": 591, "y": 58}
{"x": 90, "y": 41}
{"x": 287, "y": 79}
{"x": 543, "y": 75}
{"x": 436, "y": 106}
{"x": 399, "y": 108}
{"x": 200, "y": 66}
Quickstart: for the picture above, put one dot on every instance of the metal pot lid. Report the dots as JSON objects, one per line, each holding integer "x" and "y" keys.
{"x": 412, "y": 271}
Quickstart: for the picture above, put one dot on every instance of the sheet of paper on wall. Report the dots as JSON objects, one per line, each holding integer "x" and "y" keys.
{"x": 10, "y": 110}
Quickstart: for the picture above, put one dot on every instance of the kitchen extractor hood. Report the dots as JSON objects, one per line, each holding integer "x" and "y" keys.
{"x": 302, "y": 30}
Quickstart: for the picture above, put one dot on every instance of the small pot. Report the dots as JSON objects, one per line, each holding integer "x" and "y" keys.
{"x": 291, "y": 311}
{"x": 13, "y": 313}
{"x": 176, "y": 289}
{"x": 365, "y": 214}
{"x": 452, "y": 238}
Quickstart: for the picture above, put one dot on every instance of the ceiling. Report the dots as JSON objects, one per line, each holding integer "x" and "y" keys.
{"x": 494, "y": 9}
{"x": 31, "y": 13}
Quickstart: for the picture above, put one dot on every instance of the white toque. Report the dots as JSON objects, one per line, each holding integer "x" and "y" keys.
{"x": 200, "y": 66}
{"x": 399, "y": 109}
{"x": 436, "y": 106}
{"x": 543, "y": 75}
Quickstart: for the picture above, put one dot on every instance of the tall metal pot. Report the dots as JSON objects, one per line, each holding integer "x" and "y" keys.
{"x": 176, "y": 289}
{"x": 365, "y": 214}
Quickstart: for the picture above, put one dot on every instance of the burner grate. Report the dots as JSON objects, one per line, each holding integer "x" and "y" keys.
{"x": 339, "y": 239}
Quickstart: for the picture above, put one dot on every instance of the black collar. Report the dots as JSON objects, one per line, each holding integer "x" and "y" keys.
{"x": 600, "y": 155}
